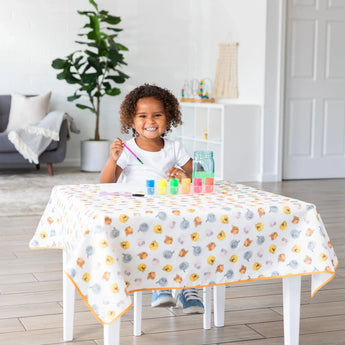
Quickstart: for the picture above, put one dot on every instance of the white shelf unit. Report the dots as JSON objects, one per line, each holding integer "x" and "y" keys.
{"x": 233, "y": 134}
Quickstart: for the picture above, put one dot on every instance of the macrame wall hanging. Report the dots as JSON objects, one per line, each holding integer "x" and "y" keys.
{"x": 225, "y": 81}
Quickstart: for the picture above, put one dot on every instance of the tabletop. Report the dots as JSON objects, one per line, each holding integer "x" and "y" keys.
{"x": 116, "y": 244}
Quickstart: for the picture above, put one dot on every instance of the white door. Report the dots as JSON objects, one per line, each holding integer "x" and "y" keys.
{"x": 314, "y": 126}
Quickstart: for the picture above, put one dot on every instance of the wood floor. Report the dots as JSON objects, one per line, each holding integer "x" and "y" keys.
{"x": 31, "y": 292}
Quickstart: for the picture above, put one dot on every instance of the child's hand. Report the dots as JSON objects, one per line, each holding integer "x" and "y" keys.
{"x": 116, "y": 149}
{"x": 177, "y": 173}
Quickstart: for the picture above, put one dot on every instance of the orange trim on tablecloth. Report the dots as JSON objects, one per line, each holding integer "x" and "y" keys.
{"x": 89, "y": 306}
{"x": 326, "y": 282}
{"x": 195, "y": 286}
{"x": 246, "y": 280}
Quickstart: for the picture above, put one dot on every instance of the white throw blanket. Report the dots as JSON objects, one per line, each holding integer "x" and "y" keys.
{"x": 32, "y": 140}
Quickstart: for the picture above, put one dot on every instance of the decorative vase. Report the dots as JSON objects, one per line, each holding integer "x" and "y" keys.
{"x": 94, "y": 155}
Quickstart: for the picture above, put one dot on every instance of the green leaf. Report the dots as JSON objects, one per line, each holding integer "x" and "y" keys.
{"x": 62, "y": 75}
{"x": 111, "y": 20}
{"x": 72, "y": 80}
{"x": 89, "y": 78}
{"x": 92, "y": 35}
{"x": 121, "y": 47}
{"x": 82, "y": 106}
{"x": 80, "y": 42}
{"x": 90, "y": 53}
{"x": 59, "y": 63}
{"x": 117, "y": 79}
{"x": 113, "y": 92}
{"x": 122, "y": 74}
{"x": 106, "y": 85}
{"x": 78, "y": 62}
{"x": 88, "y": 88}
{"x": 114, "y": 29}
{"x": 68, "y": 76}
{"x": 95, "y": 63}
{"x": 114, "y": 56}
{"x": 123, "y": 63}
{"x": 73, "y": 98}
{"x": 87, "y": 13}
{"x": 92, "y": 2}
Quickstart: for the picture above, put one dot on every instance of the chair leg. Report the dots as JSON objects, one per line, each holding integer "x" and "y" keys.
{"x": 219, "y": 304}
{"x": 138, "y": 310}
{"x": 207, "y": 307}
{"x": 137, "y": 313}
{"x": 50, "y": 169}
{"x": 68, "y": 293}
{"x": 112, "y": 333}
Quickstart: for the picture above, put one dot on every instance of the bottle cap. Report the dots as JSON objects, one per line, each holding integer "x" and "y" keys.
{"x": 197, "y": 181}
{"x": 162, "y": 182}
{"x": 150, "y": 183}
{"x": 174, "y": 182}
{"x": 186, "y": 181}
{"x": 209, "y": 181}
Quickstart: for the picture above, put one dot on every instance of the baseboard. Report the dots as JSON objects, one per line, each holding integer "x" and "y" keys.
{"x": 270, "y": 178}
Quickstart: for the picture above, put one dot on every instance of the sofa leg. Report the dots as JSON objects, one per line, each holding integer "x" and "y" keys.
{"x": 50, "y": 169}
{"x": 37, "y": 166}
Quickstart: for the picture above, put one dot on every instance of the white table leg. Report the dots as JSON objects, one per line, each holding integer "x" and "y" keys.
{"x": 292, "y": 306}
{"x": 68, "y": 294}
{"x": 219, "y": 305}
{"x": 137, "y": 313}
{"x": 207, "y": 307}
{"x": 112, "y": 333}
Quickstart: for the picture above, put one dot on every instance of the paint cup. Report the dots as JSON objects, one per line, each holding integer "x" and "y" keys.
{"x": 162, "y": 186}
{"x": 185, "y": 185}
{"x": 197, "y": 185}
{"x": 209, "y": 183}
{"x": 174, "y": 186}
{"x": 150, "y": 187}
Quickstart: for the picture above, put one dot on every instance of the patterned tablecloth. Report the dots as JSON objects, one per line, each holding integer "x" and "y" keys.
{"x": 116, "y": 244}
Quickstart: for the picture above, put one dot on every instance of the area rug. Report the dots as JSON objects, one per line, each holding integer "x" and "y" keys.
{"x": 27, "y": 191}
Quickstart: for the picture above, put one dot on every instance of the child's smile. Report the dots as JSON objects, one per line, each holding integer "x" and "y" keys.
{"x": 149, "y": 121}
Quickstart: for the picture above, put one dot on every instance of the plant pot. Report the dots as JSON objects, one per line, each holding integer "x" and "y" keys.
{"x": 94, "y": 155}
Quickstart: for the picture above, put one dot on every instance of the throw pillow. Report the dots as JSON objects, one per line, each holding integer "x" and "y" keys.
{"x": 27, "y": 110}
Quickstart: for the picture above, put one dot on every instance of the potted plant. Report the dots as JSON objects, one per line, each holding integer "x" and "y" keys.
{"x": 95, "y": 70}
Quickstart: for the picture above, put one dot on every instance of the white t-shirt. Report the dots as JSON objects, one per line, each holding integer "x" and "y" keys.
{"x": 156, "y": 164}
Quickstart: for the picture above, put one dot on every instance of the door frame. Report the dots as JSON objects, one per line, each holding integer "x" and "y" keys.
{"x": 274, "y": 91}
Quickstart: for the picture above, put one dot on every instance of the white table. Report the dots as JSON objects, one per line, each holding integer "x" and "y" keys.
{"x": 115, "y": 245}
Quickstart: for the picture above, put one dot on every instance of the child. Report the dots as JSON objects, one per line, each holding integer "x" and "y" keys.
{"x": 150, "y": 112}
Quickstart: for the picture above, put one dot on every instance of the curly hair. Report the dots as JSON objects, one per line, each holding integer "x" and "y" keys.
{"x": 170, "y": 103}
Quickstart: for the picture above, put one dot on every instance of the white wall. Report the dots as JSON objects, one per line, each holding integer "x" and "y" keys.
{"x": 168, "y": 41}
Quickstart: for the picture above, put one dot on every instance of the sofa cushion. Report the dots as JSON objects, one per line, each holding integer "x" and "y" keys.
{"x": 5, "y": 144}
{"x": 27, "y": 110}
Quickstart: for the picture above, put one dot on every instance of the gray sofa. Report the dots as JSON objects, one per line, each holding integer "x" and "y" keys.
{"x": 55, "y": 152}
